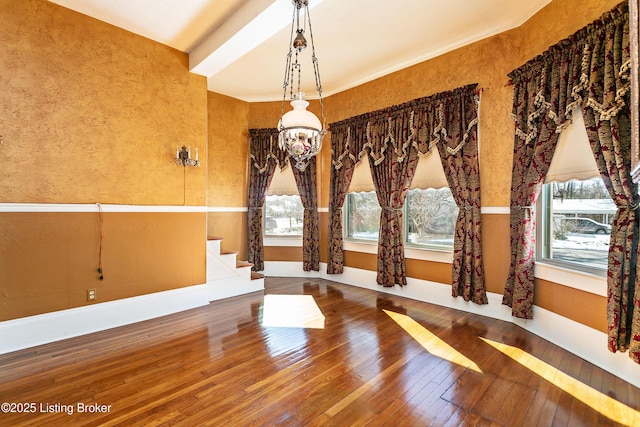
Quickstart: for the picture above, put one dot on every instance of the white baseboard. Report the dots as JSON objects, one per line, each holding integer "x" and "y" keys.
{"x": 232, "y": 287}
{"x": 291, "y": 269}
{"x": 31, "y": 331}
{"x": 581, "y": 340}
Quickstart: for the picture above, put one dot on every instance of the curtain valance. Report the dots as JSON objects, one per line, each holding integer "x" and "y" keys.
{"x": 421, "y": 123}
{"x": 591, "y": 69}
{"x": 264, "y": 146}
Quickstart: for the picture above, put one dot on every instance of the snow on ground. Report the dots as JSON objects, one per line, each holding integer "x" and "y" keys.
{"x": 596, "y": 242}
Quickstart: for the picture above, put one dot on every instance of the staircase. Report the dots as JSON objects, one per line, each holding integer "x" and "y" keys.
{"x": 228, "y": 277}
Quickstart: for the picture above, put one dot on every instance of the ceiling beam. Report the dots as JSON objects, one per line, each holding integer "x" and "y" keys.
{"x": 255, "y": 22}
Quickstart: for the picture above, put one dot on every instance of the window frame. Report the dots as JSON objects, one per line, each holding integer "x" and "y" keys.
{"x": 544, "y": 243}
{"x": 278, "y": 239}
{"x": 435, "y": 253}
{"x": 346, "y": 222}
{"x": 429, "y": 247}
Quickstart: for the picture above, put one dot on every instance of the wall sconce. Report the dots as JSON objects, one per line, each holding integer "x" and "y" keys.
{"x": 183, "y": 157}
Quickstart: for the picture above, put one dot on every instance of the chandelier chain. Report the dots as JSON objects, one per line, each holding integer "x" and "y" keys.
{"x": 300, "y": 131}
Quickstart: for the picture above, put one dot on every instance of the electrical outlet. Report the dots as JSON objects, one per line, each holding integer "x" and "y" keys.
{"x": 91, "y": 294}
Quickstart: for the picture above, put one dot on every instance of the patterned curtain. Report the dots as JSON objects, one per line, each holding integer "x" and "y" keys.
{"x": 393, "y": 138}
{"x": 393, "y": 162}
{"x": 458, "y": 151}
{"x": 307, "y": 187}
{"x": 589, "y": 69}
{"x": 264, "y": 157}
{"x": 606, "y": 114}
{"x": 343, "y": 163}
{"x": 532, "y": 154}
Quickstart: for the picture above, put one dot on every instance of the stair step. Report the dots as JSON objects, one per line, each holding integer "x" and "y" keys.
{"x": 240, "y": 264}
{"x": 226, "y": 275}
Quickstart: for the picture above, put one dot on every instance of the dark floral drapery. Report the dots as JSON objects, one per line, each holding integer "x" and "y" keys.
{"x": 343, "y": 163}
{"x": 308, "y": 190}
{"x": 590, "y": 69}
{"x": 393, "y": 138}
{"x": 608, "y": 124}
{"x": 393, "y": 163}
{"x": 264, "y": 156}
{"x": 460, "y": 161}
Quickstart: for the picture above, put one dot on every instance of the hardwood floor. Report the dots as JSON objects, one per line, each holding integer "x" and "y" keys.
{"x": 380, "y": 360}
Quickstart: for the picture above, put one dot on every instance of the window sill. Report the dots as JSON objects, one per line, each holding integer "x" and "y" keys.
{"x": 409, "y": 252}
{"x": 295, "y": 241}
{"x": 583, "y": 281}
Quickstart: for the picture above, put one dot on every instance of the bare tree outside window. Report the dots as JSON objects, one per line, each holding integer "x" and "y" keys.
{"x": 431, "y": 217}
{"x": 283, "y": 216}
{"x": 363, "y": 216}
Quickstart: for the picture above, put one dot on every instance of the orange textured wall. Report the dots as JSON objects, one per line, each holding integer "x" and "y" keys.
{"x": 228, "y": 176}
{"x": 91, "y": 113}
{"x": 228, "y": 151}
{"x": 231, "y": 227}
{"x": 48, "y": 260}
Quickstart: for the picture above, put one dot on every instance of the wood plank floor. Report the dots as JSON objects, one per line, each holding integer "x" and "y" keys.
{"x": 380, "y": 360}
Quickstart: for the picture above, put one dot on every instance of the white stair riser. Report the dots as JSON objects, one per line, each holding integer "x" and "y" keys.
{"x": 216, "y": 269}
{"x": 244, "y": 272}
{"x": 224, "y": 278}
{"x": 213, "y": 246}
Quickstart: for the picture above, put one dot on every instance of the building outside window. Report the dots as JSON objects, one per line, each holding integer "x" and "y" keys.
{"x": 576, "y": 223}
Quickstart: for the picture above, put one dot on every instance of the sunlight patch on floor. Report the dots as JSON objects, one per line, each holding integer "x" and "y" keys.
{"x": 607, "y": 406}
{"x": 431, "y": 342}
{"x": 291, "y": 311}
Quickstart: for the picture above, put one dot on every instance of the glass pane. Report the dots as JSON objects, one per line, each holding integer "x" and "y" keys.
{"x": 283, "y": 216}
{"x": 577, "y": 222}
{"x": 431, "y": 217}
{"x": 362, "y": 216}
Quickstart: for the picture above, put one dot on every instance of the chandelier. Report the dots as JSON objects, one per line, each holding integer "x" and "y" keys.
{"x": 300, "y": 131}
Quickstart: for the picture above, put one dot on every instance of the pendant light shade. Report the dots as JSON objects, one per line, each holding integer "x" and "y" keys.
{"x": 301, "y": 132}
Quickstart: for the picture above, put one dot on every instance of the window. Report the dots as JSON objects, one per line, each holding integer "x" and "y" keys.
{"x": 430, "y": 218}
{"x": 283, "y": 215}
{"x": 430, "y": 212}
{"x": 362, "y": 216}
{"x": 575, "y": 211}
{"x": 576, "y": 221}
{"x": 283, "y": 210}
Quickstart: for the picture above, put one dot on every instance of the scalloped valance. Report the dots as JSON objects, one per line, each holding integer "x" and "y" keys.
{"x": 264, "y": 146}
{"x": 572, "y": 73}
{"x": 421, "y": 123}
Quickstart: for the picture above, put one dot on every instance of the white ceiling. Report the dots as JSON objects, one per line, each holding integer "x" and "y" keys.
{"x": 241, "y": 45}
